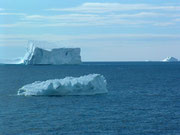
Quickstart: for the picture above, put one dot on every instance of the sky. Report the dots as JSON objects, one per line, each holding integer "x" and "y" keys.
{"x": 105, "y": 30}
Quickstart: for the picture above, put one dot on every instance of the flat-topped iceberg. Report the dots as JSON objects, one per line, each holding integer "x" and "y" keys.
{"x": 85, "y": 85}
{"x": 57, "y": 56}
{"x": 170, "y": 59}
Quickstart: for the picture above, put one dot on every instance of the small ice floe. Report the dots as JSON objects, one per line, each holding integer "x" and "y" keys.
{"x": 85, "y": 85}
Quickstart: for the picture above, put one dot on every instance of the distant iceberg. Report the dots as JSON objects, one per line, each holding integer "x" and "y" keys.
{"x": 57, "y": 56}
{"x": 170, "y": 59}
{"x": 11, "y": 61}
{"x": 85, "y": 85}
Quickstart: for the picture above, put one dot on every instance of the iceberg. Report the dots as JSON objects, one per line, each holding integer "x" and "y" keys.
{"x": 85, "y": 85}
{"x": 11, "y": 61}
{"x": 170, "y": 59}
{"x": 57, "y": 56}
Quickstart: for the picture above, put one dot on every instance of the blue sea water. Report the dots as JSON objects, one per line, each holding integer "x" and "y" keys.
{"x": 143, "y": 99}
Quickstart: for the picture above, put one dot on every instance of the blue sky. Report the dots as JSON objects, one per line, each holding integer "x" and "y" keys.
{"x": 116, "y": 30}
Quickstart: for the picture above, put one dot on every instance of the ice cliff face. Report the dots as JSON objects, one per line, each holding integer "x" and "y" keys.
{"x": 36, "y": 55}
{"x": 170, "y": 59}
{"x": 85, "y": 85}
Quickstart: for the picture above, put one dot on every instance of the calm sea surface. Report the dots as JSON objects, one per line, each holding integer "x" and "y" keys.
{"x": 143, "y": 99}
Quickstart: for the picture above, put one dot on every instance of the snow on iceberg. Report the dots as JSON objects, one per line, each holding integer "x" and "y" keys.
{"x": 170, "y": 59}
{"x": 85, "y": 85}
{"x": 57, "y": 56}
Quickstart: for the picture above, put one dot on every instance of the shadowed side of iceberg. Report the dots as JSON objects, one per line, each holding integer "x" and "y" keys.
{"x": 85, "y": 85}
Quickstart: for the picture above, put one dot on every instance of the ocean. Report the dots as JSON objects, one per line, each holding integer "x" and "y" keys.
{"x": 143, "y": 99}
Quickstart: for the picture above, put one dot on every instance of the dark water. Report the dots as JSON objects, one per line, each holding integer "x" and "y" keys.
{"x": 143, "y": 99}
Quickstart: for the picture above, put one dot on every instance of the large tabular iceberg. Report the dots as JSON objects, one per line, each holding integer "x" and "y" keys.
{"x": 85, "y": 85}
{"x": 37, "y": 55}
{"x": 170, "y": 59}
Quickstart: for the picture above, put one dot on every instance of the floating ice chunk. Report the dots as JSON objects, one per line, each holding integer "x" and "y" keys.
{"x": 170, "y": 59}
{"x": 85, "y": 85}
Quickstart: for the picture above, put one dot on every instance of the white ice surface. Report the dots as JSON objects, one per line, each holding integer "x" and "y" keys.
{"x": 170, "y": 59}
{"x": 85, "y": 85}
{"x": 57, "y": 56}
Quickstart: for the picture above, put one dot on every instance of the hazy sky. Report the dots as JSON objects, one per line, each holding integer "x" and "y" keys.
{"x": 106, "y": 30}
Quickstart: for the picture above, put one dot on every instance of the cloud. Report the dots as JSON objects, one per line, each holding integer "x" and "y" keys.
{"x": 22, "y": 24}
{"x": 89, "y": 19}
{"x": 164, "y": 24}
{"x": 80, "y": 23}
{"x": 91, "y": 15}
{"x": 113, "y": 7}
{"x": 138, "y": 15}
{"x": 20, "y": 14}
{"x": 18, "y": 24}
{"x": 1, "y": 9}
{"x": 177, "y": 20}
{"x": 55, "y": 37}
{"x": 63, "y": 17}
{"x": 9, "y": 25}
{"x": 121, "y": 22}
